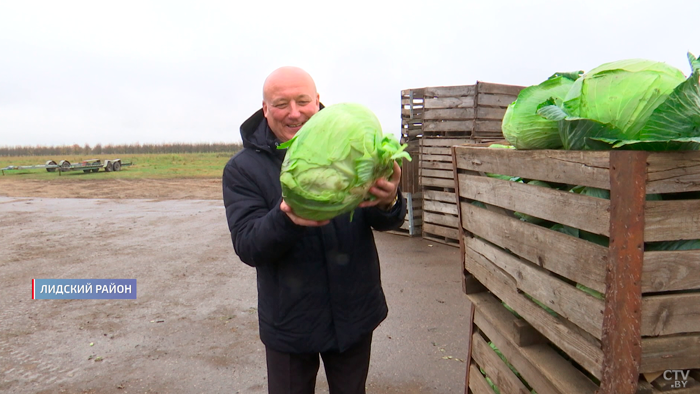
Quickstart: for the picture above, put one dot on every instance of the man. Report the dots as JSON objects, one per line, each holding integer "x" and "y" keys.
{"x": 319, "y": 286}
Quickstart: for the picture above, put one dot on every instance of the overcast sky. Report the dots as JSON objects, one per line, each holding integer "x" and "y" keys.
{"x": 192, "y": 71}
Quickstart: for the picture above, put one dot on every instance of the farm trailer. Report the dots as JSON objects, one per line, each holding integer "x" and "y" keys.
{"x": 90, "y": 165}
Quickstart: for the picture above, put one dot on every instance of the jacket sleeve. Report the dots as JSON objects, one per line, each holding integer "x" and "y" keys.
{"x": 260, "y": 234}
{"x": 392, "y": 219}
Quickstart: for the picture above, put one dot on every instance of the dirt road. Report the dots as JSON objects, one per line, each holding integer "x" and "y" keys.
{"x": 193, "y": 327}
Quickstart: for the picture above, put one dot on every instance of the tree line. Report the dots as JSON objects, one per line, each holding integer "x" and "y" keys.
{"x": 99, "y": 149}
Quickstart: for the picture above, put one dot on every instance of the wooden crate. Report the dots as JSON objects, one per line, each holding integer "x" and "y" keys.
{"x": 649, "y": 319}
{"x": 440, "y": 222}
{"x": 473, "y": 111}
{"x": 412, "y": 224}
{"x": 411, "y": 114}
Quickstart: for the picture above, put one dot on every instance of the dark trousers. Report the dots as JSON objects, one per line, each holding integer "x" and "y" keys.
{"x": 289, "y": 373}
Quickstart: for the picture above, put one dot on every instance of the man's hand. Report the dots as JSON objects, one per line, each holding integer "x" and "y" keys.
{"x": 298, "y": 220}
{"x": 384, "y": 190}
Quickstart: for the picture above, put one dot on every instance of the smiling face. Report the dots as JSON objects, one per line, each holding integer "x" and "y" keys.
{"x": 289, "y": 100}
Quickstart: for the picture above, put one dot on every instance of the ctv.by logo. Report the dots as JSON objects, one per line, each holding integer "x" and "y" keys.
{"x": 674, "y": 374}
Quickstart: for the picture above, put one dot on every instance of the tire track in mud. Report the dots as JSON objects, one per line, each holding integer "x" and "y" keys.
{"x": 30, "y": 371}
{"x": 25, "y": 372}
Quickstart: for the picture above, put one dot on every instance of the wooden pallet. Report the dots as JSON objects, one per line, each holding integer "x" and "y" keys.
{"x": 648, "y": 321}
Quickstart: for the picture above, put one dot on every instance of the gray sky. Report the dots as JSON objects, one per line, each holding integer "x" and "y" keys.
{"x": 175, "y": 71}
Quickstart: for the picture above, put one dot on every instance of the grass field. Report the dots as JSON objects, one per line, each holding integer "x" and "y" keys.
{"x": 145, "y": 166}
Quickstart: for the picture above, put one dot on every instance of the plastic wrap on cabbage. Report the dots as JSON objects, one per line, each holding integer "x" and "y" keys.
{"x": 334, "y": 159}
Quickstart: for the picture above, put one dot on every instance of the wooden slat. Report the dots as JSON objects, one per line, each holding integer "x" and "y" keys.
{"x": 460, "y": 230}
{"x": 490, "y": 113}
{"x": 554, "y": 251}
{"x": 443, "y": 141}
{"x": 587, "y": 168}
{"x": 623, "y": 290}
{"x": 437, "y": 150}
{"x": 438, "y": 182}
{"x": 540, "y": 365}
{"x": 439, "y": 196}
{"x": 495, "y": 368}
{"x": 441, "y": 207}
{"x": 416, "y": 113}
{"x": 579, "y": 211}
{"x": 441, "y": 231}
{"x": 670, "y": 314}
{"x": 431, "y": 157}
{"x": 497, "y": 88}
{"x": 670, "y": 352}
{"x": 483, "y": 126}
{"x": 442, "y": 220}
{"x": 477, "y": 382}
{"x": 449, "y": 114}
{"x": 672, "y": 220}
{"x": 578, "y": 307}
{"x": 410, "y": 182}
{"x": 435, "y": 165}
{"x": 496, "y": 100}
{"x": 448, "y": 125}
{"x": 451, "y": 91}
{"x": 671, "y": 172}
{"x": 416, "y": 92}
{"x": 671, "y": 270}
{"x": 449, "y": 102}
{"x": 470, "y": 331}
{"x": 437, "y": 174}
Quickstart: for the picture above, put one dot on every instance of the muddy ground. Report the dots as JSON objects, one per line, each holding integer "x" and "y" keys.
{"x": 193, "y": 327}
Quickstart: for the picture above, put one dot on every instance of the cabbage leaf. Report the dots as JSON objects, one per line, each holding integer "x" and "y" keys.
{"x": 523, "y": 127}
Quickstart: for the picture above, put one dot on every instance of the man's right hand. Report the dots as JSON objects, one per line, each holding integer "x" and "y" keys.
{"x": 298, "y": 220}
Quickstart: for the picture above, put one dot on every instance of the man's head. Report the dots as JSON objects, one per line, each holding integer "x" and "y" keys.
{"x": 289, "y": 100}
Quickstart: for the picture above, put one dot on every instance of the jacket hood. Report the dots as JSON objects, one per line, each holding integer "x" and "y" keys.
{"x": 254, "y": 131}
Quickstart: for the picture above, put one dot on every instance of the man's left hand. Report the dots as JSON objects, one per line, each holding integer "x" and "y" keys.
{"x": 384, "y": 190}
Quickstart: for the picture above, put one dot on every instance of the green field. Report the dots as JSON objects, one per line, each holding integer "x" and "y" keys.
{"x": 166, "y": 165}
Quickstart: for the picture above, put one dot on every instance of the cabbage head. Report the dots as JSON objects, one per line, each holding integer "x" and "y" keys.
{"x": 523, "y": 127}
{"x": 616, "y": 104}
{"x": 334, "y": 159}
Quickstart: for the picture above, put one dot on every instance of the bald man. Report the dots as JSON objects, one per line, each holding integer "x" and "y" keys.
{"x": 319, "y": 284}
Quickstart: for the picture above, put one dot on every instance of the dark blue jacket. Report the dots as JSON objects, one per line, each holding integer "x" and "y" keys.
{"x": 319, "y": 288}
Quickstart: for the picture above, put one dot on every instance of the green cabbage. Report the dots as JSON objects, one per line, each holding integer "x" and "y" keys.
{"x": 523, "y": 127}
{"x": 630, "y": 104}
{"x": 334, "y": 159}
{"x": 627, "y": 104}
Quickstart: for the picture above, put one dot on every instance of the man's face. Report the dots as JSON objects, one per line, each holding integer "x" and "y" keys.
{"x": 290, "y": 100}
